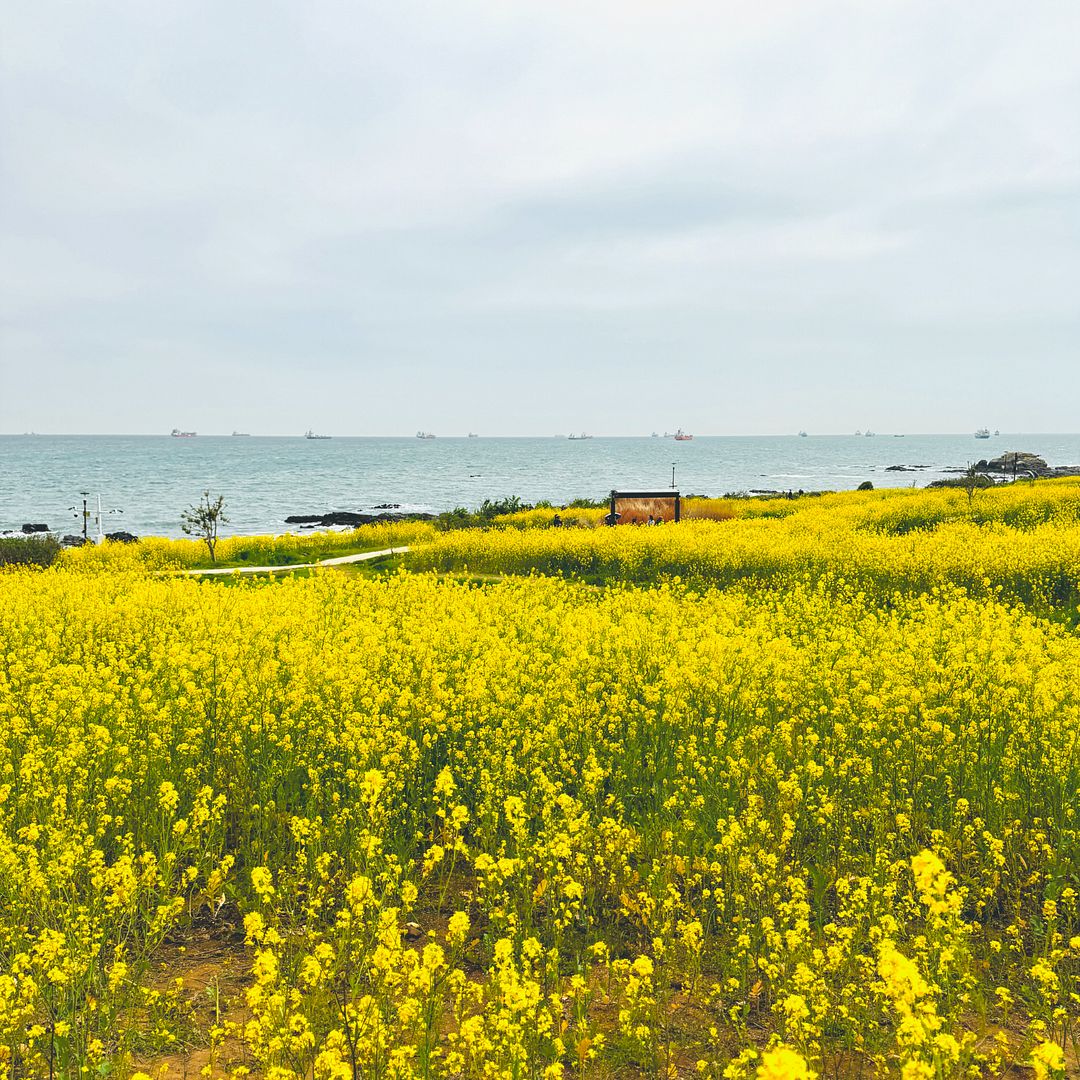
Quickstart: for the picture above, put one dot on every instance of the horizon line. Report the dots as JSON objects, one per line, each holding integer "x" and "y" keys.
{"x": 569, "y": 437}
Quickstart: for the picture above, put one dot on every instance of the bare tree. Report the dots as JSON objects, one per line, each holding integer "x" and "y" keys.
{"x": 202, "y": 520}
{"x": 973, "y": 480}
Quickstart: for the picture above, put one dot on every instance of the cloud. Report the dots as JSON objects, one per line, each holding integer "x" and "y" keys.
{"x": 369, "y": 191}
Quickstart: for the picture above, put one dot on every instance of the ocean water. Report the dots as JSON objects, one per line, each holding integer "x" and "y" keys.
{"x": 145, "y": 482}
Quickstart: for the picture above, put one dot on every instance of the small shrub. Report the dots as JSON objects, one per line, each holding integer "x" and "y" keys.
{"x": 204, "y": 519}
{"x": 493, "y": 508}
{"x": 463, "y": 518}
{"x": 460, "y": 517}
{"x": 31, "y": 551}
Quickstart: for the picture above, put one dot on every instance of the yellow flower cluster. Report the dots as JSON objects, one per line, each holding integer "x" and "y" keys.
{"x": 158, "y": 553}
{"x": 533, "y": 828}
{"x": 1020, "y": 541}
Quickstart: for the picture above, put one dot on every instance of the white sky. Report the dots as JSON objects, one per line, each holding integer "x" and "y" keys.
{"x": 526, "y": 218}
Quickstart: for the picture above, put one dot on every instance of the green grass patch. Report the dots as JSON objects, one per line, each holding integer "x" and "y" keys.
{"x": 261, "y": 555}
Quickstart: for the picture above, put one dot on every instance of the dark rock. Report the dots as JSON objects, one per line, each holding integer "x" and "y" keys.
{"x": 35, "y": 528}
{"x": 1015, "y": 461}
{"x": 905, "y": 468}
{"x": 71, "y": 540}
{"x": 866, "y": 485}
{"x": 348, "y": 518}
{"x": 1019, "y": 463}
{"x": 388, "y": 506}
{"x": 121, "y": 537}
{"x": 338, "y": 517}
{"x": 1022, "y": 463}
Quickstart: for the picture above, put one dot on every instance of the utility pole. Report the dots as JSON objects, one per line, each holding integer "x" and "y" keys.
{"x": 85, "y": 513}
{"x": 673, "y": 476}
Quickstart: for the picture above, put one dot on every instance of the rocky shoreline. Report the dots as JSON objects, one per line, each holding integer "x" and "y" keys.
{"x": 1019, "y": 465}
{"x": 387, "y": 513}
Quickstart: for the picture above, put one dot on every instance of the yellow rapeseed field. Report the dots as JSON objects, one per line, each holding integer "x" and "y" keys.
{"x": 809, "y": 810}
{"x": 1023, "y": 540}
{"x": 159, "y": 553}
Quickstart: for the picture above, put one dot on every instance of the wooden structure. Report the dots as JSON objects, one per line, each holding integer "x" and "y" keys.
{"x": 635, "y": 507}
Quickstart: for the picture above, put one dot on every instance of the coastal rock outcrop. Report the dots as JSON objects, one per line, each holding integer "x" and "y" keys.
{"x": 31, "y": 528}
{"x": 350, "y": 519}
{"x": 121, "y": 537}
{"x": 1012, "y": 465}
{"x": 1014, "y": 460}
{"x": 1021, "y": 463}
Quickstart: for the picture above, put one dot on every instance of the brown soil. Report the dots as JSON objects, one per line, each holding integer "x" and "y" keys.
{"x": 215, "y": 968}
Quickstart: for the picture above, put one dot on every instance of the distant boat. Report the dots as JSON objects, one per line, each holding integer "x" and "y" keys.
{"x": 583, "y": 435}
{"x": 473, "y": 435}
{"x": 654, "y": 435}
{"x": 868, "y": 434}
{"x": 996, "y": 432}
{"x": 681, "y": 436}
{"x": 857, "y": 432}
{"x": 802, "y": 434}
{"x": 424, "y": 435}
{"x": 982, "y": 433}
{"x": 178, "y": 434}
{"x": 309, "y": 434}
{"x": 241, "y": 434}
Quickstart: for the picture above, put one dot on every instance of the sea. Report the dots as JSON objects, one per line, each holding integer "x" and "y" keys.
{"x": 145, "y": 482}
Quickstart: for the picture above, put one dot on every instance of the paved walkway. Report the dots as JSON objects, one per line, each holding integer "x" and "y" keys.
{"x": 341, "y": 560}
